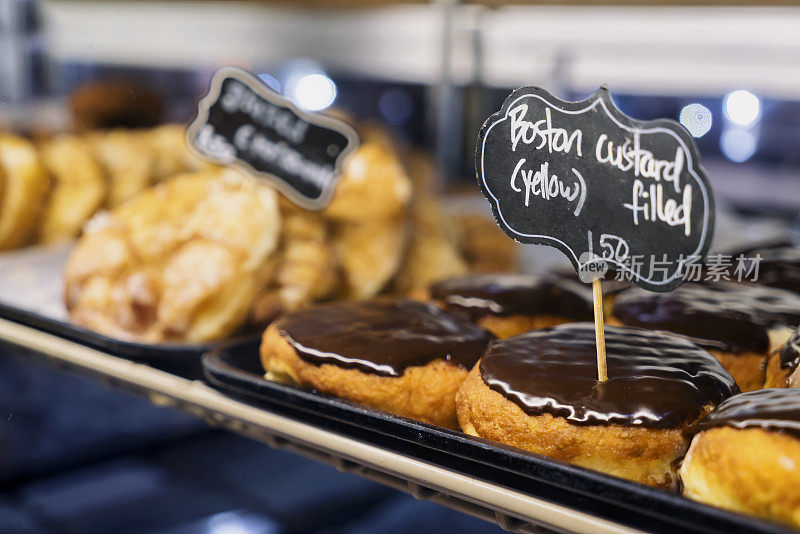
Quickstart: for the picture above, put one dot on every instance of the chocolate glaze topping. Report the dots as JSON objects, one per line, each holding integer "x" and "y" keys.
{"x": 655, "y": 379}
{"x": 779, "y": 267}
{"x": 768, "y": 409}
{"x": 725, "y": 316}
{"x": 790, "y": 352}
{"x": 515, "y": 294}
{"x": 383, "y": 336}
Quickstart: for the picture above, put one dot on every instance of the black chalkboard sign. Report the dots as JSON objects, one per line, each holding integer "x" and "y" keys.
{"x": 589, "y": 180}
{"x": 242, "y": 122}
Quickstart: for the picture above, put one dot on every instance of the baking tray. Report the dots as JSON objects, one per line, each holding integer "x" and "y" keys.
{"x": 31, "y": 293}
{"x": 180, "y": 359}
{"x": 236, "y": 370}
{"x": 511, "y": 510}
{"x": 462, "y": 488}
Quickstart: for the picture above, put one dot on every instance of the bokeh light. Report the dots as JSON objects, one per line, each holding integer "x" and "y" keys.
{"x": 738, "y": 144}
{"x": 314, "y": 92}
{"x": 741, "y": 107}
{"x": 396, "y": 106}
{"x": 697, "y": 119}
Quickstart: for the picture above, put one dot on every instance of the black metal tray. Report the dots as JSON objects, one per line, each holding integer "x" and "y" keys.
{"x": 237, "y": 371}
{"x": 180, "y": 359}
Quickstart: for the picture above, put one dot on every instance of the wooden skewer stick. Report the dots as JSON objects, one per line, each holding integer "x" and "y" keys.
{"x": 599, "y": 334}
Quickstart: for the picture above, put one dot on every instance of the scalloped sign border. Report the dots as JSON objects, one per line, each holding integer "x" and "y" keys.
{"x": 501, "y": 186}
{"x": 301, "y": 154}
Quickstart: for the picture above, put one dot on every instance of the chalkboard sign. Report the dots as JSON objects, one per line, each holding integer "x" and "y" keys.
{"x": 242, "y": 122}
{"x": 598, "y": 185}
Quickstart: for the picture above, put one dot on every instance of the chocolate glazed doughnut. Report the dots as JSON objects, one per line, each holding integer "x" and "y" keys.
{"x": 509, "y": 304}
{"x": 401, "y": 356}
{"x": 739, "y": 324}
{"x": 746, "y": 456}
{"x": 539, "y": 392}
{"x": 779, "y": 267}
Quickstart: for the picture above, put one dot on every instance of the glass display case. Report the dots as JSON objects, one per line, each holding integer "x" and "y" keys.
{"x": 157, "y": 305}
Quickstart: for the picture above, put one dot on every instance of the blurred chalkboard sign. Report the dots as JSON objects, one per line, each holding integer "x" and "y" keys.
{"x": 242, "y": 122}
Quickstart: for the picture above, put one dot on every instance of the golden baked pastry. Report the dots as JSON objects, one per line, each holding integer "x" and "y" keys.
{"x": 127, "y": 161}
{"x": 171, "y": 155}
{"x": 512, "y": 325}
{"x": 444, "y": 245}
{"x": 180, "y": 262}
{"x": 404, "y": 357}
{"x": 432, "y": 252}
{"x": 355, "y": 248}
{"x": 23, "y": 187}
{"x": 78, "y": 187}
{"x": 485, "y": 247}
{"x": 373, "y": 185}
{"x": 307, "y": 267}
{"x": 306, "y": 271}
{"x": 783, "y": 364}
{"x": 369, "y": 254}
{"x": 746, "y": 367}
{"x": 510, "y": 304}
{"x": 746, "y": 456}
{"x": 421, "y": 168}
{"x": 539, "y": 392}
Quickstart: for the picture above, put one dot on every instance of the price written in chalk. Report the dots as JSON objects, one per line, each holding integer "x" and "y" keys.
{"x": 591, "y": 181}
{"x": 242, "y": 122}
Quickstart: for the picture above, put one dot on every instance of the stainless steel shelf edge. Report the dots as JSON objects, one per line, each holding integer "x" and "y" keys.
{"x": 511, "y": 510}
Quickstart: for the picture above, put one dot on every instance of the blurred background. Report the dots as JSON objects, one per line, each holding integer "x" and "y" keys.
{"x": 434, "y": 71}
{"x": 77, "y": 457}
